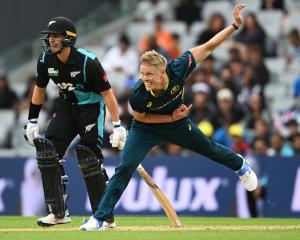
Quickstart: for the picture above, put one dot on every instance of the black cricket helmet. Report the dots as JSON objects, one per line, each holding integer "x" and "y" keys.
{"x": 59, "y": 25}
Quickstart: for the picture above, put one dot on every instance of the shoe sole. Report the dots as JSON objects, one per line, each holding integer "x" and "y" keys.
{"x": 43, "y": 224}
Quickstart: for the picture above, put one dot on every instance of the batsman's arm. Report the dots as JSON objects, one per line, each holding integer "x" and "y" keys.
{"x": 111, "y": 104}
{"x": 37, "y": 101}
{"x": 38, "y": 96}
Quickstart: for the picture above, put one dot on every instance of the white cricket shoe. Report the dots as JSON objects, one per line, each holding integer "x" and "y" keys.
{"x": 51, "y": 220}
{"x": 248, "y": 177}
{"x": 94, "y": 224}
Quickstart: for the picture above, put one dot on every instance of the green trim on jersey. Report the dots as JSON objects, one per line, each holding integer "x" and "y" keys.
{"x": 100, "y": 120}
{"x": 87, "y": 97}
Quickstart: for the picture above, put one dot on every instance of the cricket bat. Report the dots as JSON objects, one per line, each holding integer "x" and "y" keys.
{"x": 160, "y": 196}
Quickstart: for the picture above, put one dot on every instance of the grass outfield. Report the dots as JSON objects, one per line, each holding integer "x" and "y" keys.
{"x": 146, "y": 228}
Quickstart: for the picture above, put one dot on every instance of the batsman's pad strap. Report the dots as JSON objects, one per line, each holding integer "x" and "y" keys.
{"x": 88, "y": 162}
{"x": 93, "y": 175}
{"x": 48, "y": 163}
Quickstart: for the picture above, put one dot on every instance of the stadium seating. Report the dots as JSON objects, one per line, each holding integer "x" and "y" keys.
{"x": 223, "y": 7}
{"x": 7, "y": 123}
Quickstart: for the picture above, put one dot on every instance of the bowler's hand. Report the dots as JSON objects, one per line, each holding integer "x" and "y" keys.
{"x": 181, "y": 112}
{"x": 238, "y": 19}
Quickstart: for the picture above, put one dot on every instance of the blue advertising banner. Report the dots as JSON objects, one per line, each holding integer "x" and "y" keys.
{"x": 195, "y": 185}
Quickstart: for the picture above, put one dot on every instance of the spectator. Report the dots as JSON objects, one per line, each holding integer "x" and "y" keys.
{"x": 215, "y": 24}
{"x": 203, "y": 109}
{"x": 164, "y": 38}
{"x": 272, "y": 4}
{"x": 187, "y": 11}
{"x": 207, "y": 128}
{"x": 256, "y": 60}
{"x": 251, "y": 33}
{"x": 293, "y": 48}
{"x": 279, "y": 147}
{"x": 153, "y": 45}
{"x": 237, "y": 69}
{"x": 293, "y": 129}
{"x": 8, "y": 98}
{"x": 256, "y": 110}
{"x": 118, "y": 57}
{"x": 236, "y": 132}
{"x": 226, "y": 78}
{"x": 208, "y": 66}
{"x": 296, "y": 144}
{"x": 176, "y": 50}
{"x": 173, "y": 149}
{"x": 260, "y": 147}
{"x": 262, "y": 130}
{"x": 116, "y": 61}
{"x": 296, "y": 93}
{"x": 249, "y": 86}
{"x": 228, "y": 109}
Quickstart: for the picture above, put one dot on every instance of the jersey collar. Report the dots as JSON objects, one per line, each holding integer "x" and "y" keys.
{"x": 71, "y": 59}
{"x": 165, "y": 88}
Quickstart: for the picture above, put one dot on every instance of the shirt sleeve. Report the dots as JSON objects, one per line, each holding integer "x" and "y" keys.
{"x": 183, "y": 65}
{"x": 136, "y": 99}
{"x": 96, "y": 77}
{"x": 42, "y": 78}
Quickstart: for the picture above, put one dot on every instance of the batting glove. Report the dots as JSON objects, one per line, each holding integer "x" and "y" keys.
{"x": 31, "y": 131}
{"x": 119, "y": 135}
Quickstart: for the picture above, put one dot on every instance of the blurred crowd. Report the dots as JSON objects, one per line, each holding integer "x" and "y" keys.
{"x": 228, "y": 94}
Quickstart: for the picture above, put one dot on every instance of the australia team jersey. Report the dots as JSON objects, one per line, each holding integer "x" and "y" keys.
{"x": 177, "y": 70}
{"x": 80, "y": 80}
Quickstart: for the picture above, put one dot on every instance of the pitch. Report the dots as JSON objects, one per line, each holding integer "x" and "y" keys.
{"x": 143, "y": 227}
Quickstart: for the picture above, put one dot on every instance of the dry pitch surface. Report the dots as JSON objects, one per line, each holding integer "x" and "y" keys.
{"x": 161, "y": 228}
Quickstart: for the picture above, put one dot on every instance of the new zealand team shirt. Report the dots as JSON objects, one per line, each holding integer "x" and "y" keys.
{"x": 80, "y": 80}
{"x": 177, "y": 70}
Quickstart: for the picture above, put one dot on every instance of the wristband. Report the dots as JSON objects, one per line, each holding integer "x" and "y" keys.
{"x": 235, "y": 26}
{"x": 34, "y": 111}
{"x": 116, "y": 124}
{"x": 33, "y": 120}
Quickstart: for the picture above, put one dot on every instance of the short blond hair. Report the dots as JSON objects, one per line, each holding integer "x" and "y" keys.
{"x": 154, "y": 58}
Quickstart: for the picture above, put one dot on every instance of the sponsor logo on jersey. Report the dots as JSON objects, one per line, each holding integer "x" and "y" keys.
{"x": 52, "y": 72}
{"x": 89, "y": 127}
{"x": 74, "y": 74}
{"x": 175, "y": 89}
{"x": 149, "y": 104}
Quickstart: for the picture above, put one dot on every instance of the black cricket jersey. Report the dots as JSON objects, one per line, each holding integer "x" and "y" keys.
{"x": 80, "y": 80}
{"x": 178, "y": 71}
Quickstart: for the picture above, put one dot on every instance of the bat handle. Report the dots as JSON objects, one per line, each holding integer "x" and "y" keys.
{"x": 140, "y": 167}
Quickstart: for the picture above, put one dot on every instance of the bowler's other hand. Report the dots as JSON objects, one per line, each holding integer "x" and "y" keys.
{"x": 238, "y": 19}
{"x": 181, "y": 112}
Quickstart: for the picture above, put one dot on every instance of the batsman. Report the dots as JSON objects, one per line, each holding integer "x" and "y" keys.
{"x": 160, "y": 116}
{"x": 84, "y": 95}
